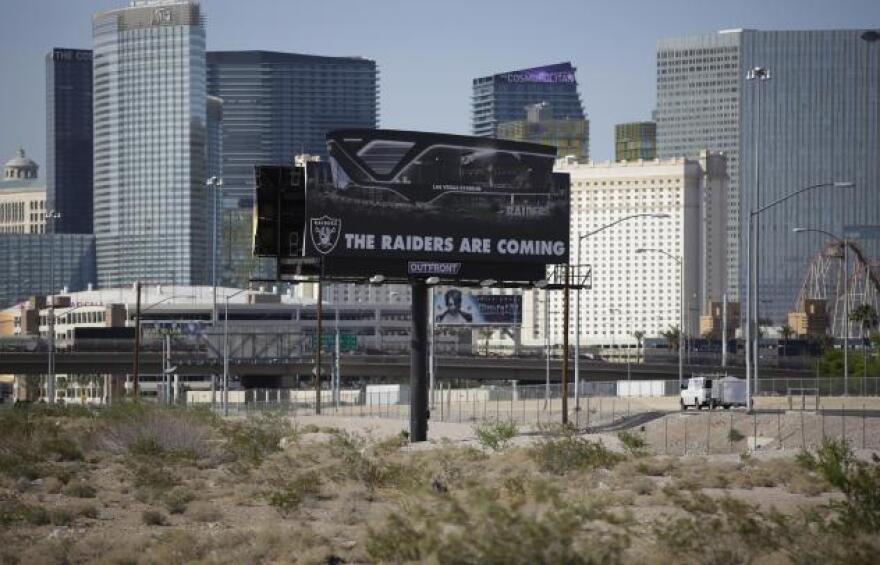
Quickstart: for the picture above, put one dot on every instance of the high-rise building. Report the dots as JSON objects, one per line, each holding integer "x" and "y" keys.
{"x": 151, "y": 204}
{"x": 503, "y": 97}
{"x": 634, "y": 141}
{"x": 634, "y": 291}
{"x": 277, "y": 106}
{"x": 69, "y": 140}
{"x": 570, "y": 136}
{"x": 818, "y": 121}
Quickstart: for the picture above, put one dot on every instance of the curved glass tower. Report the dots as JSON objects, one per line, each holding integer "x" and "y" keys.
{"x": 151, "y": 206}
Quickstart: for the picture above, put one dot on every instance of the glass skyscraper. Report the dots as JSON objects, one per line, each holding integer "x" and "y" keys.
{"x": 276, "y": 106}
{"x": 503, "y": 97}
{"x": 819, "y": 121}
{"x": 151, "y": 205}
{"x": 69, "y": 140}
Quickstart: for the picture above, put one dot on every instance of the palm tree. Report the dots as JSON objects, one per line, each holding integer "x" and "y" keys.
{"x": 672, "y": 337}
{"x": 639, "y": 335}
{"x": 787, "y": 332}
{"x": 866, "y": 315}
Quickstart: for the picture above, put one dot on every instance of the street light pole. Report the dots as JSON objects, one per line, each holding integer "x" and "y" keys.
{"x": 216, "y": 184}
{"x": 50, "y": 317}
{"x": 844, "y": 243}
{"x": 749, "y": 281}
{"x": 680, "y": 308}
{"x": 760, "y": 74}
{"x": 577, "y": 337}
{"x": 226, "y": 351}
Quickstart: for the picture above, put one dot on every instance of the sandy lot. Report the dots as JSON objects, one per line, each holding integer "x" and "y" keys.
{"x": 332, "y": 489}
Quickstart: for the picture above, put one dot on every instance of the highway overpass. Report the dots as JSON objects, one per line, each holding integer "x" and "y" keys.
{"x": 391, "y": 367}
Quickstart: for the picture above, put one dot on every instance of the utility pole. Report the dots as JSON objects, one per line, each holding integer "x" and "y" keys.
{"x": 724, "y": 330}
{"x": 565, "y": 309}
{"x": 137, "y": 337}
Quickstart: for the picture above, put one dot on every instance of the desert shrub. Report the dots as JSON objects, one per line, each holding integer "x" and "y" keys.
{"x": 655, "y": 467}
{"x": 176, "y": 499}
{"x": 633, "y": 443}
{"x": 80, "y": 489}
{"x": 13, "y": 510}
{"x": 570, "y": 453}
{"x": 290, "y": 494}
{"x": 642, "y": 485}
{"x": 157, "y": 477}
{"x": 33, "y": 438}
{"x": 735, "y": 436}
{"x": 495, "y": 435}
{"x": 392, "y": 444}
{"x": 370, "y": 470}
{"x": 140, "y": 429}
{"x": 859, "y": 481}
{"x": 61, "y": 449}
{"x": 154, "y": 518}
{"x": 483, "y": 529}
{"x": 808, "y": 485}
{"x": 251, "y": 440}
{"x": 61, "y": 517}
{"x": 88, "y": 511}
{"x": 719, "y": 531}
{"x": 204, "y": 512}
{"x": 52, "y": 485}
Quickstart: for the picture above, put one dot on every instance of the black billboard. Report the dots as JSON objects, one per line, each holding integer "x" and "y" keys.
{"x": 410, "y": 203}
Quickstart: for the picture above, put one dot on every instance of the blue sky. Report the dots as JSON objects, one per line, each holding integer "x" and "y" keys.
{"x": 427, "y": 52}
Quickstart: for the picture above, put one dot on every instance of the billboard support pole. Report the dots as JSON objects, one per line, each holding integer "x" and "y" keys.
{"x": 565, "y": 352}
{"x": 418, "y": 367}
{"x": 431, "y": 365}
{"x": 319, "y": 341}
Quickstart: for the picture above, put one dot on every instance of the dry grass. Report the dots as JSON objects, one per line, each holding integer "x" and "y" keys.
{"x": 261, "y": 490}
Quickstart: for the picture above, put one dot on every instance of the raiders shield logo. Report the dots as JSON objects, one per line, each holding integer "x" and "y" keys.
{"x": 324, "y": 232}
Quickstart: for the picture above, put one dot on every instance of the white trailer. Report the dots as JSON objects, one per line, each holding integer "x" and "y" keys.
{"x": 711, "y": 391}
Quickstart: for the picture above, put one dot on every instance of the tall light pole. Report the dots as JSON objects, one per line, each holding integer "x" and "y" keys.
{"x": 844, "y": 243}
{"x": 680, "y": 308}
{"x": 50, "y": 316}
{"x": 577, "y": 296}
{"x": 216, "y": 185}
{"x": 750, "y": 348}
{"x": 226, "y": 350}
{"x": 759, "y": 74}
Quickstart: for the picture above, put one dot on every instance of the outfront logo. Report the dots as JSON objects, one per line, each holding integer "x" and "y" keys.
{"x": 324, "y": 232}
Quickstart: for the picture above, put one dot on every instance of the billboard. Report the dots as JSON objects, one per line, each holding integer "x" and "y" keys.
{"x": 458, "y": 307}
{"x": 409, "y": 203}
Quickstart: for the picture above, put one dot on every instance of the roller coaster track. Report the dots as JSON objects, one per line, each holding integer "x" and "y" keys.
{"x": 824, "y": 280}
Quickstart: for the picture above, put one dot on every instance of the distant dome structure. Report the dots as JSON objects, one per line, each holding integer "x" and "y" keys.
{"x": 20, "y": 167}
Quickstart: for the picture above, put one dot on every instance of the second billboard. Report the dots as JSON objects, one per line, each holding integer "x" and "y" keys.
{"x": 459, "y": 307}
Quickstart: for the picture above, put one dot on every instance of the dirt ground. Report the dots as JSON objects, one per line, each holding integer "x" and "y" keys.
{"x": 325, "y": 489}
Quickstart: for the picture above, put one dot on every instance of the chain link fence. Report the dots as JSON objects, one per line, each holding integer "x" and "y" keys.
{"x": 793, "y": 413}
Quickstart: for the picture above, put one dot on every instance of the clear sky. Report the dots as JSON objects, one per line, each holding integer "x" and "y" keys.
{"x": 427, "y": 52}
